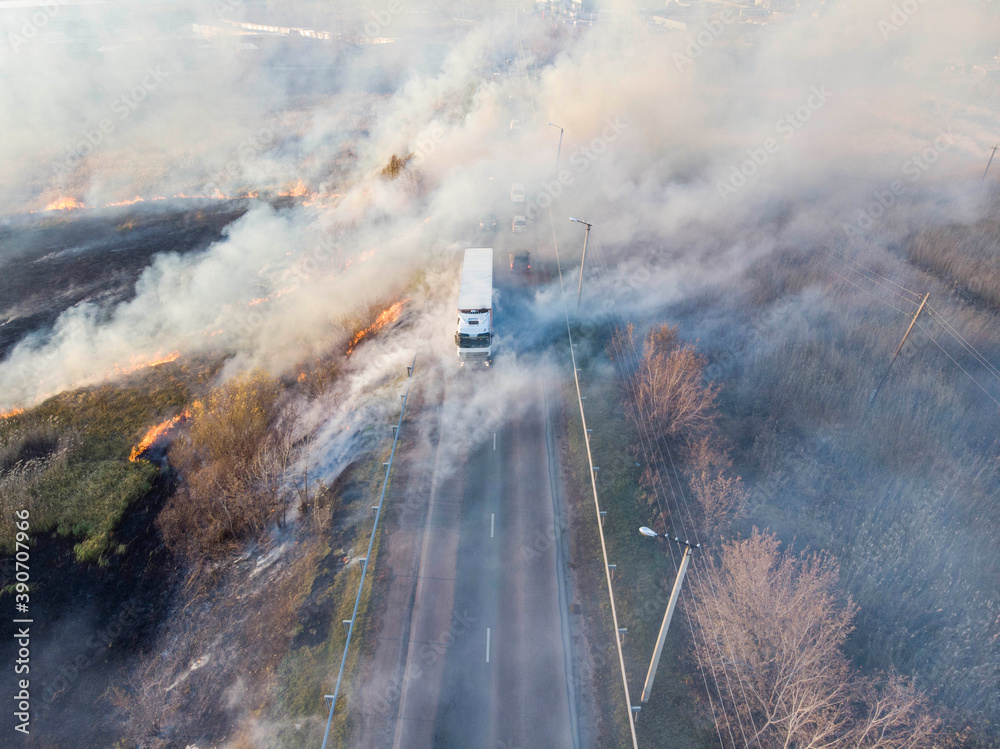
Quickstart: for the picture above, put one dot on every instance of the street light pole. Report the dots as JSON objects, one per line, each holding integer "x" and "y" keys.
{"x": 583, "y": 259}
{"x": 559, "y": 150}
{"x": 675, "y": 594}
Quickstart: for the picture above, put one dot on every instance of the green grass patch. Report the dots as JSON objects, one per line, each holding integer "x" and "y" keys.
{"x": 643, "y": 578}
{"x": 66, "y": 460}
{"x": 87, "y": 500}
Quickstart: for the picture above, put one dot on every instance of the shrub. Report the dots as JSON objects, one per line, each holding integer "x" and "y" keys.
{"x": 720, "y": 497}
{"x": 668, "y": 387}
{"x": 396, "y": 165}
{"x": 228, "y": 462}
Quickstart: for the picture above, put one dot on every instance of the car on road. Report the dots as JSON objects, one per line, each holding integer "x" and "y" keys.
{"x": 517, "y": 192}
{"x": 519, "y": 225}
{"x": 520, "y": 262}
{"x": 489, "y": 222}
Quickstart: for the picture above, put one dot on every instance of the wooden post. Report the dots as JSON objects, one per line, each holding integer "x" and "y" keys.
{"x": 989, "y": 162}
{"x": 899, "y": 348}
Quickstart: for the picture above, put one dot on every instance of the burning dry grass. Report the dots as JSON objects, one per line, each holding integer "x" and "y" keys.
{"x": 67, "y": 460}
{"x": 298, "y": 189}
{"x": 155, "y": 432}
{"x": 137, "y": 363}
{"x": 63, "y": 204}
{"x": 382, "y": 319}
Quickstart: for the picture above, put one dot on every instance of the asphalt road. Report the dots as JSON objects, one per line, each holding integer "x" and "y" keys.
{"x": 486, "y": 653}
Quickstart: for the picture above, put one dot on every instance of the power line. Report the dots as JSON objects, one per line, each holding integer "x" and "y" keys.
{"x": 948, "y": 328}
{"x": 861, "y": 288}
{"x": 917, "y": 296}
{"x": 593, "y": 483}
{"x": 964, "y": 343}
{"x": 698, "y": 653}
{"x": 644, "y": 424}
{"x": 643, "y": 434}
{"x": 959, "y": 366}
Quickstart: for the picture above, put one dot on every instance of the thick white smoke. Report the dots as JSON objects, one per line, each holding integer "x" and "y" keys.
{"x": 692, "y": 152}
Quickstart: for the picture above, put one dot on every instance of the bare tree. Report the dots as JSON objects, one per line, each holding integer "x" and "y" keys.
{"x": 270, "y": 467}
{"x": 721, "y": 497}
{"x": 772, "y": 626}
{"x": 396, "y": 165}
{"x": 668, "y": 390}
{"x": 893, "y": 715}
{"x": 771, "y": 623}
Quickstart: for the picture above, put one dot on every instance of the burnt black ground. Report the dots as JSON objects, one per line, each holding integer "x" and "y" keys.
{"x": 89, "y": 622}
{"x": 51, "y": 262}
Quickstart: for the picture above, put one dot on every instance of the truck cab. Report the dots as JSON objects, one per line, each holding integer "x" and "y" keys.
{"x": 474, "y": 337}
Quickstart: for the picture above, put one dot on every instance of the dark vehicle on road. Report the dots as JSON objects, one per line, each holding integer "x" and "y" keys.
{"x": 489, "y": 222}
{"x": 520, "y": 262}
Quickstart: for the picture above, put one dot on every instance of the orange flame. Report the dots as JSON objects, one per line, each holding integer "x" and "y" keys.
{"x": 136, "y": 363}
{"x": 298, "y": 191}
{"x": 11, "y": 412}
{"x": 154, "y": 433}
{"x": 388, "y": 315}
{"x": 133, "y": 201}
{"x": 63, "y": 204}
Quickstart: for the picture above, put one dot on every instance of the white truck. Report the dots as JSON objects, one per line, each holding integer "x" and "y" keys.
{"x": 474, "y": 336}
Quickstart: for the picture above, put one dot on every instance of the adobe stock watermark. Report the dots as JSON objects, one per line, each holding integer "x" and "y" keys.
{"x": 614, "y": 287}
{"x": 581, "y": 159}
{"x": 703, "y": 39}
{"x": 122, "y": 106}
{"x": 429, "y": 140}
{"x": 787, "y": 126}
{"x": 33, "y": 25}
{"x": 322, "y": 257}
{"x": 899, "y": 17}
{"x": 380, "y": 19}
{"x": 426, "y": 657}
{"x": 914, "y": 168}
{"x": 247, "y": 149}
{"x": 223, "y": 8}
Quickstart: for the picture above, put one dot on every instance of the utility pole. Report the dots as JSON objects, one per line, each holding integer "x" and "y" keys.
{"x": 667, "y": 616}
{"x": 558, "y": 150}
{"x": 989, "y": 162}
{"x": 583, "y": 258}
{"x": 898, "y": 349}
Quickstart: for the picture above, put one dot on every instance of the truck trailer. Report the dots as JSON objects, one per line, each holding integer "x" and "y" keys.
{"x": 474, "y": 336}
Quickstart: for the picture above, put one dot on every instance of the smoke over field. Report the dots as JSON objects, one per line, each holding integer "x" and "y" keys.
{"x": 760, "y": 133}
{"x": 252, "y": 184}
